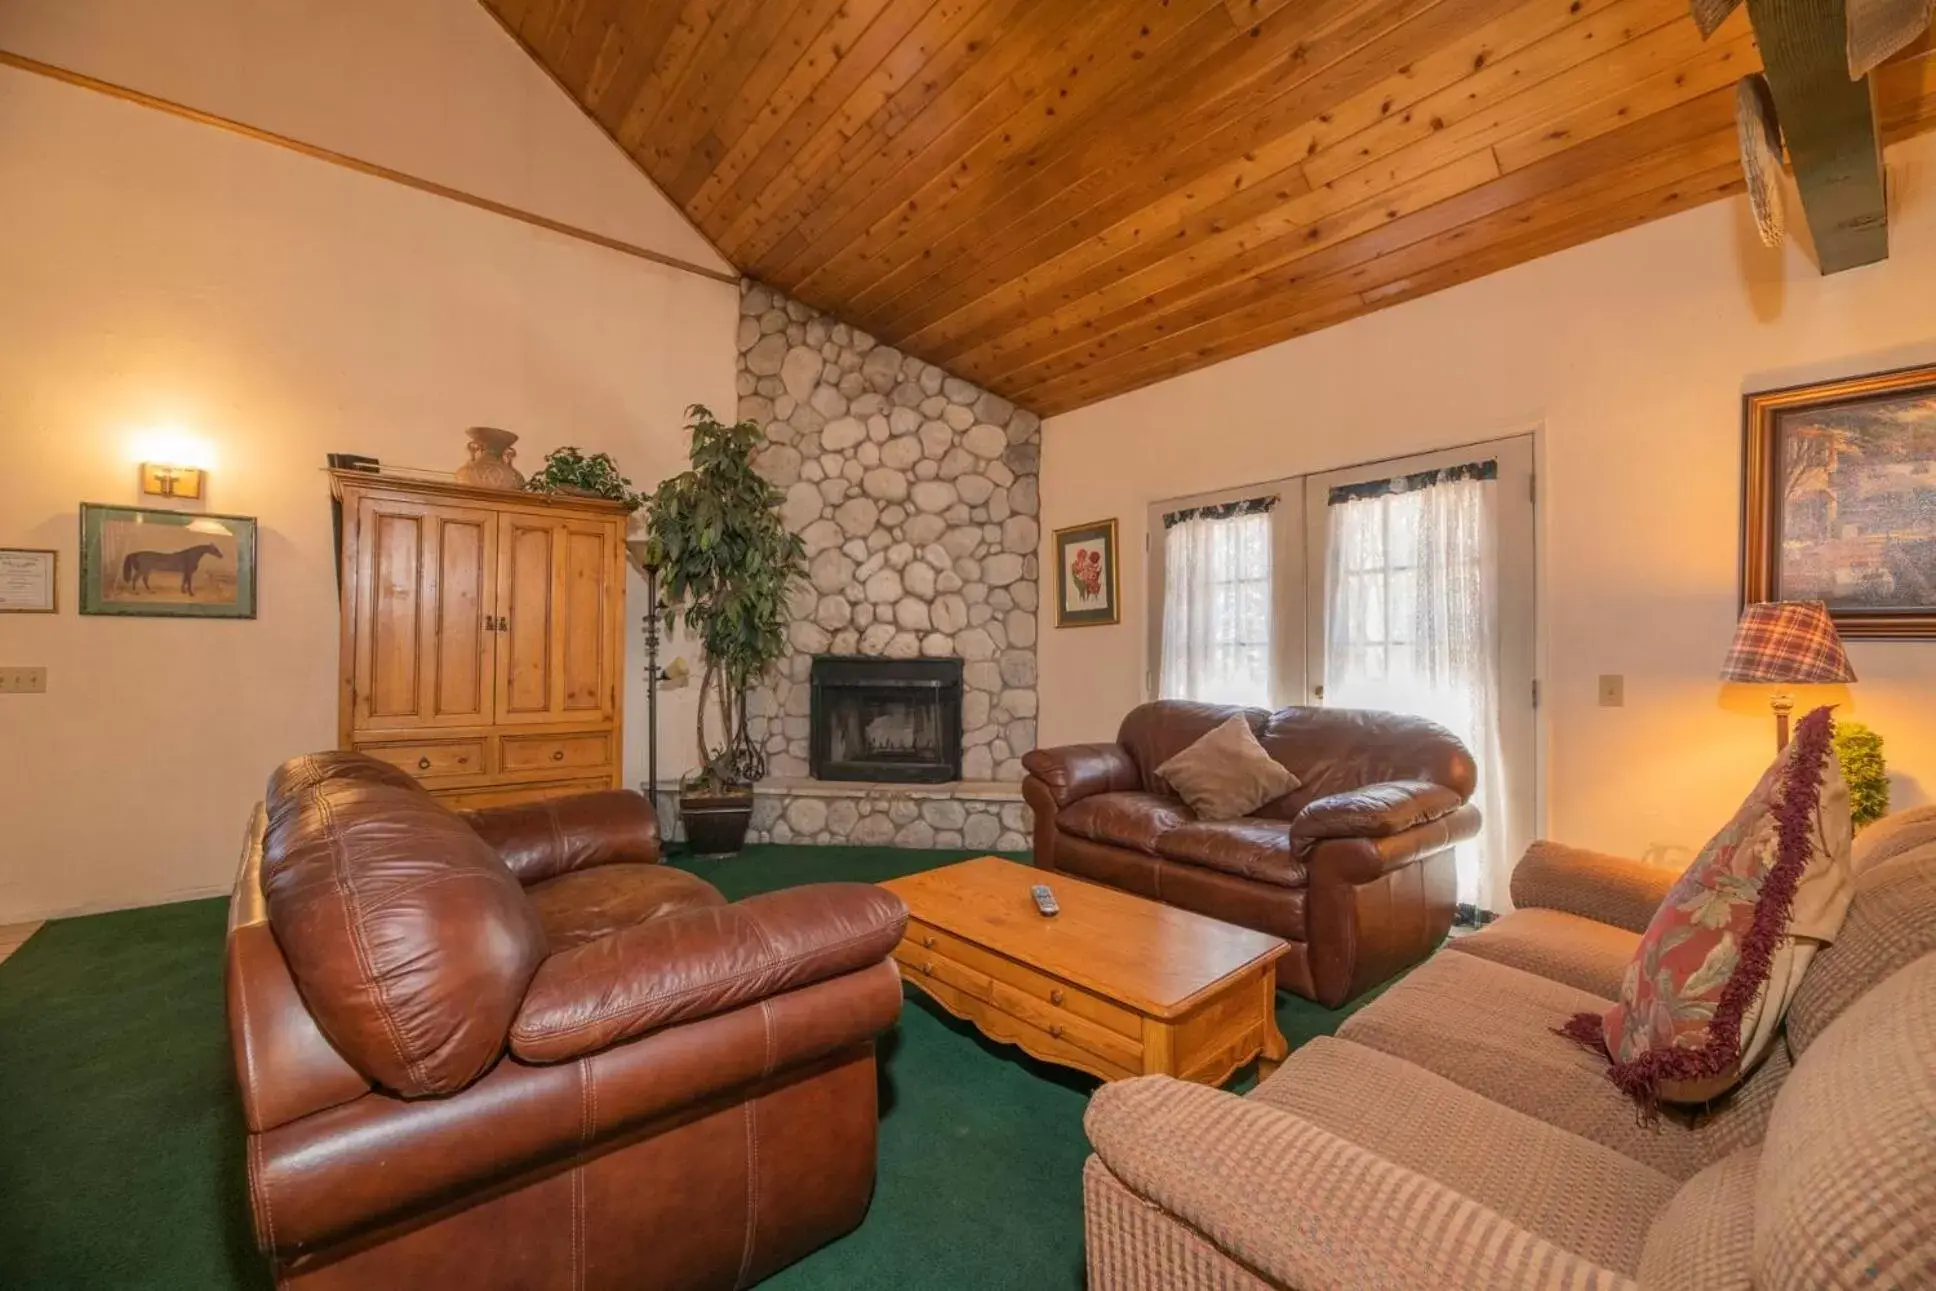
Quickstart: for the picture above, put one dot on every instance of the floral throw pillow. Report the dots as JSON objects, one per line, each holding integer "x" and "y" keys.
{"x": 1723, "y": 955}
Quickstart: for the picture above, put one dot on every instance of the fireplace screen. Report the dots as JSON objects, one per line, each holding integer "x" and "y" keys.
{"x": 886, "y": 719}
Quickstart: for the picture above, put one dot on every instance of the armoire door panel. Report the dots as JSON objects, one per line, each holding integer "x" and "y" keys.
{"x": 584, "y": 625}
{"x": 527, "y": 639}
{"x": 426, "y": 591}
{"x": 462, "y": 643}
{"x": 390, "y": 680}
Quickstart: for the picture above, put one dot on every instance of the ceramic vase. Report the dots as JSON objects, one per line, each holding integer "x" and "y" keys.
{"x": 491, "y": 456}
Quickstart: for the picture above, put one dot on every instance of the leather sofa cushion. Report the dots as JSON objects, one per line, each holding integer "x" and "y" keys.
{"x": 541, "y": 840}
{"x": 584, "y": 905}
{"x": 1249, "y": 848}
{"x": 700, "y": 962}
{"x": 409, "y": 940}
{"x": 1126, "y": 819}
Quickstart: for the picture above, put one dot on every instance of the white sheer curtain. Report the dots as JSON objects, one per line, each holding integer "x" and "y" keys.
{"x": 1217, "y": 607}
{"x": 1411, "y": 591}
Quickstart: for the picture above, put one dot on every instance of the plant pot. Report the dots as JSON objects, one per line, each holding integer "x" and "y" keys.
{"x": 716, "y": 823}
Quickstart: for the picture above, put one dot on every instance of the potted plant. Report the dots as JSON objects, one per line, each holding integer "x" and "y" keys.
{"x": 726, "y": 563}
{"x": 1859, "y": 751}
{"x": 567, "y": 470}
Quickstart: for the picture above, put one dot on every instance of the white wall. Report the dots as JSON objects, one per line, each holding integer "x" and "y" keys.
{"x": 1628, "y": 357}
{"x": 160, "y": 274}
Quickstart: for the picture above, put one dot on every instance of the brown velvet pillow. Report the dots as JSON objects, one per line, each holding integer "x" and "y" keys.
{"x": 1227, "y": 774}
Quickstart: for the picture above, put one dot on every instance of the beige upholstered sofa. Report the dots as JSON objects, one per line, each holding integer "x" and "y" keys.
{"x": 1448, "y": 1138}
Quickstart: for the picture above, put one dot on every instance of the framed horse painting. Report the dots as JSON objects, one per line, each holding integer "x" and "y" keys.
{"x": 166, "y": 564}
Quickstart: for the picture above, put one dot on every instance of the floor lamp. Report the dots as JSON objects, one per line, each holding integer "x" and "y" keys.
{"x": 1786, "y": 643}
{"x": 637, "y": 549}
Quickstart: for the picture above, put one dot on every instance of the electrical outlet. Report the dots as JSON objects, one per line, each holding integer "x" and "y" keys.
{"x": 1613, "y": 690}
{"x": 23, "y": 681}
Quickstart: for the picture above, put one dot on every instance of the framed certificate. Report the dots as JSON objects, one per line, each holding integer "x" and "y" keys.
{"x": 28, "y": 580}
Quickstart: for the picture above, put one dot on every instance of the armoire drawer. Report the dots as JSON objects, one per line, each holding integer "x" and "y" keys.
{"x": 525, "y": 754}
{"x": 432, "y": 760}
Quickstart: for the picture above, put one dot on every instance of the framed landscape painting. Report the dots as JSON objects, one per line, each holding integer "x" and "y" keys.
{"x": 1085, "y": 581}
{"x": 1840, "y": 501}
{"x": 166, "y": 564}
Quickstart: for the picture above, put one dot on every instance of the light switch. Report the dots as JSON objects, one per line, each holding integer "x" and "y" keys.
{"x": 1613, "y": 690}
{"x": 23, "y": 681}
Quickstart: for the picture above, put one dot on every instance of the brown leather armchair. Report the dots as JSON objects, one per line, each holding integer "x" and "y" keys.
{"x": 508, "y": 1049}
{"x": 1353, "y": 866}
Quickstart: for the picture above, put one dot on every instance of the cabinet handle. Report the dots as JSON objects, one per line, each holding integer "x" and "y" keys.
{"x": 928, "y": 942}
{"x": 1055, "y": 1030}
{"x": 423, "y": 764}
{"x": 503, "y": 624}
{"x": 557, "y": 755}
{"x": 1055, "y": 997}
{"x": 928, "y": 969}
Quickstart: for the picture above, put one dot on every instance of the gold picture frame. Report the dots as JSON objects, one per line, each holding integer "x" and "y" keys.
{"x": 29, "y": 580}
{"x": 1839, "y": 500}
{"x": 1088, "y": 576}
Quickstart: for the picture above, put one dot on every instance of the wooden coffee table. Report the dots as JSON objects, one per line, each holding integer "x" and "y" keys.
{"x": 1114, "y": 985}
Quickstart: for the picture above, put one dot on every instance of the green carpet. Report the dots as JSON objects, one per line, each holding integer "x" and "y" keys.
{"x": 121, "y": 1145}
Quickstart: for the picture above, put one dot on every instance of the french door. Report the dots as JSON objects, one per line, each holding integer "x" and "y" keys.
{"x": 1420, "y": 583}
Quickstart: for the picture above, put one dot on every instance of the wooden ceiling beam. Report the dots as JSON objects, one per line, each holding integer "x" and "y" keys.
{"x": 1828, "y": 124}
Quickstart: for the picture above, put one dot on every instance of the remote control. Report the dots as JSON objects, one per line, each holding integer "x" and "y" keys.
{"x": 1044, "y": 900}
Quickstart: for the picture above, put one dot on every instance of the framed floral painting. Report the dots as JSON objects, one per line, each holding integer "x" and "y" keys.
{"x": 1086, "y": 583}
{"x": 1839, "y": 501}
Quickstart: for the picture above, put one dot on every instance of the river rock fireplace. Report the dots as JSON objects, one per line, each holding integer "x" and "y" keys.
{"x": 886, "y": 719}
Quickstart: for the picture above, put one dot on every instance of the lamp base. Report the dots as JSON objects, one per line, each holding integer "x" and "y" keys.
{"x": 1783, "y": 704}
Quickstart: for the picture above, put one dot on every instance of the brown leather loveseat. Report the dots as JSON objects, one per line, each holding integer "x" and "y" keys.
{"x": 507, "y": 1049}
{"x": 1353, "y": 866}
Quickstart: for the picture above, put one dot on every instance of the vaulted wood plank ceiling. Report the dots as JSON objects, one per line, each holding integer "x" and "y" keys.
{"x": 1066, "y": 199}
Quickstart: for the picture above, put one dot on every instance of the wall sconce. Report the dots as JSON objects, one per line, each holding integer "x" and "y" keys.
{"x": 183, "y": 483}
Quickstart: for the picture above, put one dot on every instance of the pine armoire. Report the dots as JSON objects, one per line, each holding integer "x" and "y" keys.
{"x": 483, "y": 642}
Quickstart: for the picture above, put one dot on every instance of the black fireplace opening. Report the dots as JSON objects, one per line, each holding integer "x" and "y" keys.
{"x": 886, "y": 719}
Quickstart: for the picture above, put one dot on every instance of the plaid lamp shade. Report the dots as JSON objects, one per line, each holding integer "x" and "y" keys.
{"x": 1786, "y": 641}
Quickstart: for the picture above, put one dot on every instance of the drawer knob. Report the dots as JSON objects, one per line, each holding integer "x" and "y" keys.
{"x": 928, "y": 969}
{"x": 1055, "y": 1030}
{"x": 423, "y": 764}
{"x": 928, "y": 942}
{"x": 1055, "y": 996}
{"x": 557, "y": 755}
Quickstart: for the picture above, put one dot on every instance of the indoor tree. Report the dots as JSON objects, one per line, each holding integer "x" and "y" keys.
{"x": 726, "y": 563}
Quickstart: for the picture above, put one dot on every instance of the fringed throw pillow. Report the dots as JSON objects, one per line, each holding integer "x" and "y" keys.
{"x": 1724, "y": 954}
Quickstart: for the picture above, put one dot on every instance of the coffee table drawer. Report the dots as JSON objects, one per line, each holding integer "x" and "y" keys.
{"x": 1084, "y": 1004}
{"x": 1064, "y": 1012}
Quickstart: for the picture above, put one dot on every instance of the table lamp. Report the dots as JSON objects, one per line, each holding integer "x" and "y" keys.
{"x": 1786, "y": 643}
